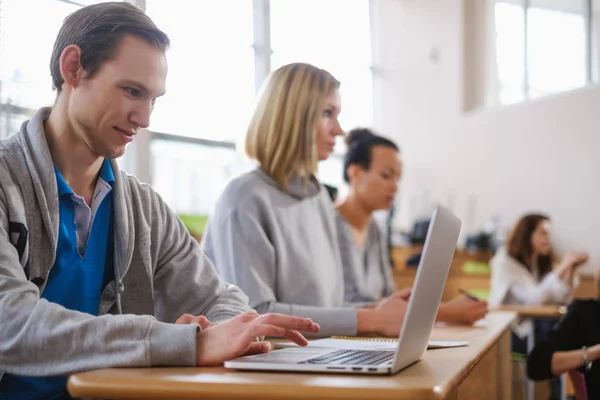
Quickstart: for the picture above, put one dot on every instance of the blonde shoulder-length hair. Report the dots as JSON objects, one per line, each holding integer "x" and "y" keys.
{"x": 282, "y": 132}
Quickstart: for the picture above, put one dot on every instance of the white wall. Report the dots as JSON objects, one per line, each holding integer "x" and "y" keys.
{"x": 541, "y": 155}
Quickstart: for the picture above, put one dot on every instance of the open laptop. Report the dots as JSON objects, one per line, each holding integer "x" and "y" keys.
{"x": 421, "y": 311}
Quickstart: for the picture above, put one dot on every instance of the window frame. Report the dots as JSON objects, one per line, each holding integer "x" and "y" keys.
{"x": 137, "y": 160}
{"x": 9, "y": 109}
{"x": 589, "y": 43}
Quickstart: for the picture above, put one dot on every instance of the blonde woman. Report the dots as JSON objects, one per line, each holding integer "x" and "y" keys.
{"x": 273, "y": 230}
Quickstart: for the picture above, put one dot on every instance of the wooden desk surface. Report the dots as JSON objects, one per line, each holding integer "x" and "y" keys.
{"x": 537, "y": 311}
{"x": 455, "y": 273}
{"x": 437, "y": 376}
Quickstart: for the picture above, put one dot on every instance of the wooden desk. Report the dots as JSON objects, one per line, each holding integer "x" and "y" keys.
{"x": 588, "y": 288}
{"x": 478, "y": 371}
{"x": 456, "y": 280}
{"x": 401, "y": 254}
{"x": 537, "y": 312}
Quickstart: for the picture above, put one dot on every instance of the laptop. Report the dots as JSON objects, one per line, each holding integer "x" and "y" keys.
{"x": 430, "y": 280}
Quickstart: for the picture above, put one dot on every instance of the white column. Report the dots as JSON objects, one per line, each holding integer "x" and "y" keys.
{"x": 262, "y": 41}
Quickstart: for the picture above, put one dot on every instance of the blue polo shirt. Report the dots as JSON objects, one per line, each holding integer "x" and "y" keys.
{"x": 82, "y": 269}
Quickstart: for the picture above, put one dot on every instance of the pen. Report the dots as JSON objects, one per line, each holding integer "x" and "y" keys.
{"x": 469, "y": 295}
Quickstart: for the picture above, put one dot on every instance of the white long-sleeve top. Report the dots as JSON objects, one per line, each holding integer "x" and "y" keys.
{"x": 513, "y": 284}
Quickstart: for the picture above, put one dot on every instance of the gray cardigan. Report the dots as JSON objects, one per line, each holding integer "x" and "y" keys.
{"x": 367, "y": 271}
{"x": 281, "y": 248}
{"x": 160, "y": 274}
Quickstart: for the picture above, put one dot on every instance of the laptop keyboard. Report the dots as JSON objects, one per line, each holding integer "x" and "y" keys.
{"x": 353, "y": 357}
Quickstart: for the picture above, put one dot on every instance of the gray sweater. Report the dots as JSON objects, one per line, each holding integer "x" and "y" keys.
{"x": 160, "y": 274}
{"x": 367, "y": 271}
{"x": 281, "y": 248}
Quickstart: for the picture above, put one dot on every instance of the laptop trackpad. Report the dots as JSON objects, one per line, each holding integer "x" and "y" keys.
{"x": 292, "y": 355}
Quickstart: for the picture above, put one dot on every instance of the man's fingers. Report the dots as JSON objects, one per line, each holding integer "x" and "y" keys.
{"x": 272, "y": 330}
{"x": 203, "y": 322}
{"x": 185, "y": 319}
{"x": 248, "y": 316}
{"x": 289, "y": 322}
{"x": 257, "y": 330}
{"x": 403, "y": 294}
{"x": 258, "y": 348}
{"x": 296, "y": 337}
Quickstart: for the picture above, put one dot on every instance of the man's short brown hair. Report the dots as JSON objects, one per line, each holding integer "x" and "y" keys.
{"x": 98, "y": 30}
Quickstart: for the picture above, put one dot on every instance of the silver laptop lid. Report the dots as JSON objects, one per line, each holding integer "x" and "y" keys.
{"x": 430, "y": 280}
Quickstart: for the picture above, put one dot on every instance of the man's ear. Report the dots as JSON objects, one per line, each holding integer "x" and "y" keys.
{"x": 70, "y": 65}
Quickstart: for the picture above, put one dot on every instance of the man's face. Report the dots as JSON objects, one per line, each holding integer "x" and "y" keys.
{"x": 108, "y": 109}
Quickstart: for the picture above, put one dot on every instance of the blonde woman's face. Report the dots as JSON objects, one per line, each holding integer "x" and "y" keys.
{"x": 329, "y": 126}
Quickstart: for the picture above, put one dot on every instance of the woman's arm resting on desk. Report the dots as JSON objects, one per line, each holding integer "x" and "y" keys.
{"x": 555, "y": 354}
{"x": 563, "y": 361}
{"x": 241, "y": 250}
{"x": 384, "y": 318}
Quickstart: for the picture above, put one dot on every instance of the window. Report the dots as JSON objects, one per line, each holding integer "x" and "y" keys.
{"x": 331, "y": 172}
{"x": 210, "y": 84}
{"x": 190, "y": 177}
{"x": 543, "y": 48}
{"x": 556, "y": 52}
{"x": 221, "y": 52}
{"x": 210, "y": 96}
{"x": 25, "y": 82}
{"x": 510, "y": 51}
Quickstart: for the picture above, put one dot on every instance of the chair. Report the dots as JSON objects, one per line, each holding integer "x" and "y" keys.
{"x": 195, "y": 224}
{"x": 578, "y": 382}
{"x": 519, "y": 374}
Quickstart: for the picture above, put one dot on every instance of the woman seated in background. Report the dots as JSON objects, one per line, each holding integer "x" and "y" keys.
{"x": 273, "y": 229}
{"x": 572, "y": 344}
{"x": 372, "y": 168}
{"x": 525, "y": 273}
